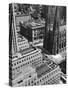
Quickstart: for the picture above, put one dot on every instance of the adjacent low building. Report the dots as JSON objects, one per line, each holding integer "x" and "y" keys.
{"x": 20, "y": 18}
{"x": 30, "y": 56}
{"x": 47, "y": 73}
{"x": 33, "y": 31}
{"x": 22, "y": 43}
{"x": 23, "y": 79}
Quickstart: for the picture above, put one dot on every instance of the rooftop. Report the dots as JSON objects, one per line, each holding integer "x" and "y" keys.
{"x": 25, "y": 72}
{"x": 23, "y": 53}
{"x": 28, "y": 50}
{"x": 33, "y": 24}
{"x": 45, "y": 68}
{"x": 21, "y": 38}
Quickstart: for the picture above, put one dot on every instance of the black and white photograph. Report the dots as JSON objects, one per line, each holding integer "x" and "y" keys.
{"x": 37, "y": 44}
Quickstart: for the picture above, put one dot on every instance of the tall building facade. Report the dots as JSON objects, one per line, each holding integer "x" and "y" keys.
{"x": 53, "y": 29}
{"x": 15, "y": 42}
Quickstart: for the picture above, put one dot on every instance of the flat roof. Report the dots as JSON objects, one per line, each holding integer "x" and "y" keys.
{"x": 23, "y": 53}
{"x": 42, "y": 70}
{"x": 33, "y": 25}
{"x": 37, "y": 26}
{"x": 15, "y": 56}
{"x": 45, "y": 68}
{"x": 25, "y": 71}
{"x": 28, "y": 50}
{"x": 21, "y": 38}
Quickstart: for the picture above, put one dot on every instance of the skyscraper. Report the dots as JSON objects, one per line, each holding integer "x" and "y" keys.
{"x": 53, "y": 22}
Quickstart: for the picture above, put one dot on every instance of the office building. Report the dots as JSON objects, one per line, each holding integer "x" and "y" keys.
{"x": 27, "y": 73}
{"x": 22, "y": 43}
{"x": 62, "y": 38}
{"x": 47, "y": 73}
{"x": 54, "y": 31}
{"x": 30, "y": 56}
{"x": 15, "y": 17}
{"x": 33, "y": 31}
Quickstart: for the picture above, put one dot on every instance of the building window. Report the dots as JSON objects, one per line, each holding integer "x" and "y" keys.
{"x": 13, "y": 69}
{"x": 34, "y": 83}
{"x": 25, "y": 84}
{"x": 40, "y": 80}
{"x": 29, "y": 76}
{"x": 15, "y": 64}
{"x": 29, "y": 58}
{"x": 20, "y": 81}
{"x": 22, "y": 60}
{"x": 45, "y": 77}
{"x": 37, "y": 82}
{"x": 19, "y": 61}
{"x": 16, "y": 67}
{"x": 28, "y": 62}
{"x": 34, "y": 34}
{"x": 59, "y": 46}
{"x": 34, "y": 79}
{"x": 29, "y": 83}
{"x": 62, "y": 45}
{"x": 44, "y": 83}
{"x": 12, "y": 64}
